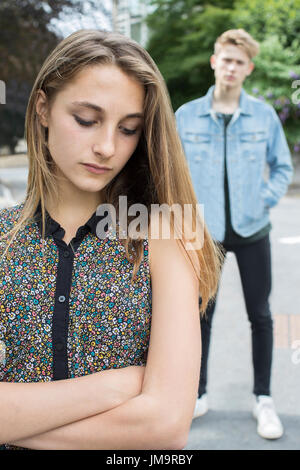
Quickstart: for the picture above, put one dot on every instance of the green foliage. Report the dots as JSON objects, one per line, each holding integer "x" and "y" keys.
{"x": 263, "y": 18}
{"x": 276, "y": 73}
{"x": 184, "y": 33}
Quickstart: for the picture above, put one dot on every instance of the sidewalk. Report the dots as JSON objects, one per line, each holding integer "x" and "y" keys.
{"x": 13, "y": 179}
{"x": 13, "y": 161}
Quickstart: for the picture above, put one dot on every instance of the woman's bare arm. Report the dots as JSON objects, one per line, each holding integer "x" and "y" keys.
{"x": 160, "y": 417}
{"x": 27, "y": 409}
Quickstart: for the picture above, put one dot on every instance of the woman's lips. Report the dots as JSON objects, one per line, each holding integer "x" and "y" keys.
{"x": 98, "y": 170}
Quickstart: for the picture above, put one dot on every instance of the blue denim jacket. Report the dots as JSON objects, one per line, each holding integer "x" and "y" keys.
{"x": 258, "y": 162}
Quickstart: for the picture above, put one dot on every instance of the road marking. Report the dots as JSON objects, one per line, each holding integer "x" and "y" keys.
{"x": 286, "y": 330}
{"x": 281, "y": 331}
{"x": 289, "y": 240}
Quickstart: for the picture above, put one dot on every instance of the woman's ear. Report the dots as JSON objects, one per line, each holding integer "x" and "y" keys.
{"x": 42, "y": 108}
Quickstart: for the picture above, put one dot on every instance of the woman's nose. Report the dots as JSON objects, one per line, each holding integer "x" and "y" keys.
{"x": 104, "y": 146}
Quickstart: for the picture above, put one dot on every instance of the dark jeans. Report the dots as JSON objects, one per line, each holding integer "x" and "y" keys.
{"x": 254, "y": 263}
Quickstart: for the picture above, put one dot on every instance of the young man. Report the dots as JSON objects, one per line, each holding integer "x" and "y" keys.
{"x": 229, "y": 138}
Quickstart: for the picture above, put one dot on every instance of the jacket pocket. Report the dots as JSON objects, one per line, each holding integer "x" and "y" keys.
{"x": 253, "y": 137}
{"x": 197, "y": 137}
{"x": 197, "y": 146}
{"x": 253, "y": 146}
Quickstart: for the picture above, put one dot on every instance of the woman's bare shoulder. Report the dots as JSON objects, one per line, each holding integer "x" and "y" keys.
{"x": 165, "y": 245}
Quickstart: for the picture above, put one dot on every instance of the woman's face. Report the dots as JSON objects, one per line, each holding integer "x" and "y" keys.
{"x": 94, "y": 125}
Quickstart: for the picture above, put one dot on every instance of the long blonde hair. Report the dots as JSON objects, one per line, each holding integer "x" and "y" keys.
{"x": 158, "y": 163}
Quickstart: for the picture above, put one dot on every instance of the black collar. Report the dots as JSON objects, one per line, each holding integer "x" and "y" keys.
{"x": 54, "y": 228}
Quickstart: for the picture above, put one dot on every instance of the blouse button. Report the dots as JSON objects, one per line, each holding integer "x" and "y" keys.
{"x": 66, "y": 254}
{"x": 61, "y": 298}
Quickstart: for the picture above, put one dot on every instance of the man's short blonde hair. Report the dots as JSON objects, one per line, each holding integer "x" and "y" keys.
{"x": 240, "y": 38}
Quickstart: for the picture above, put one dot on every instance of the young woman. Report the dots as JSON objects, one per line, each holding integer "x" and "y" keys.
{"x": 100, "y": 335}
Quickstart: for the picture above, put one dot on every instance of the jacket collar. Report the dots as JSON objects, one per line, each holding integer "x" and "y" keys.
{"x": 205, "y": 108}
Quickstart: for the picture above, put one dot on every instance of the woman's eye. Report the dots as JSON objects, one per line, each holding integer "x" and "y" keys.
{"x": 82, "y": 122}
{"x": 128, "y": 131}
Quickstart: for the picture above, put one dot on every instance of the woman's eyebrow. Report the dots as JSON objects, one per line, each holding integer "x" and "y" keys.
{"x": 86, "y": 104}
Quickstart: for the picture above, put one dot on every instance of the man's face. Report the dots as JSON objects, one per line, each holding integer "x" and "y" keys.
{"x": 231, "y": 65}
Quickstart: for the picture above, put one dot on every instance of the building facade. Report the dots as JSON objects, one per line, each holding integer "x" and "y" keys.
{"x": 128, "y": 18}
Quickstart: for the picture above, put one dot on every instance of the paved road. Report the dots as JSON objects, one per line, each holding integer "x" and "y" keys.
{"x": 229, "y": 423}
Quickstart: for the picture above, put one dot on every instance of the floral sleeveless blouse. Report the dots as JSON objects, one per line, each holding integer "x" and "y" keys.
{"x": 65, "y": 313}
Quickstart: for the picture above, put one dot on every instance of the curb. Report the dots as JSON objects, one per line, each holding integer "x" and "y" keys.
{"x": 13, "y": 161}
